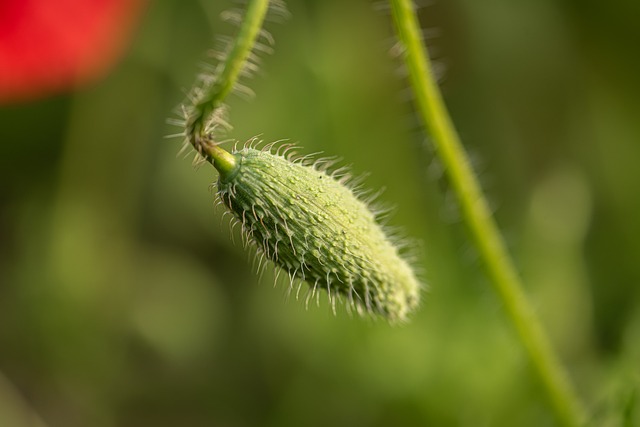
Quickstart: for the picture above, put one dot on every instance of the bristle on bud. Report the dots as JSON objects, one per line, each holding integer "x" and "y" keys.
{"x": 312, "y": 226}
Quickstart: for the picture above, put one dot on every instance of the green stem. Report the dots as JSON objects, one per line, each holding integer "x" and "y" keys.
{"x": 222, "y": 160}
{"x": 478, "y": 217}
{"x": 212, "y": 97}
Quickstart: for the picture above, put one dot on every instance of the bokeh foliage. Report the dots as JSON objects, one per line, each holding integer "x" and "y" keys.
{"x": 124, "y": 302}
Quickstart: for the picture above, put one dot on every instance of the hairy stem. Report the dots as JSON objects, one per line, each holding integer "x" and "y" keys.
{"x": 212, "y": 96}
{"x": 478, "y": 218}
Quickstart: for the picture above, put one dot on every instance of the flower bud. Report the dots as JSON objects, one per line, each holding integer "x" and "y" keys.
{"x": 314, "y": 227}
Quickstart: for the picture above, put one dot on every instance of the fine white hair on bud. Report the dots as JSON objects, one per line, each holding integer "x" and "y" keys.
{"x": 312, "y": 225}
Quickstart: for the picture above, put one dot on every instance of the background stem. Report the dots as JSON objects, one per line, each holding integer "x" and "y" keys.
{"x": 478, "y": 218}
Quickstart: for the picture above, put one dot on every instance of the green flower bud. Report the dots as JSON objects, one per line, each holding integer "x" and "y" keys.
{"x": 315, "y": 228}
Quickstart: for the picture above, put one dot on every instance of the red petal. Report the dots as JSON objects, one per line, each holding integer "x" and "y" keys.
{"x": 47, "y": 46}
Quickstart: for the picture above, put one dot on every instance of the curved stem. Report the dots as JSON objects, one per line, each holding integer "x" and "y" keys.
{"x": 221, "y": 159}
{"x": 212, "y": 96}
{"x": 478, "y": 218}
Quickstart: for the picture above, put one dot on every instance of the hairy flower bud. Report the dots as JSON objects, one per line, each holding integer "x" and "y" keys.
{"x": 315, "y": 228}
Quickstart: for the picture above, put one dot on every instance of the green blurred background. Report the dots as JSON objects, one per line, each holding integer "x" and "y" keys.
{"x": 124, "y": 302}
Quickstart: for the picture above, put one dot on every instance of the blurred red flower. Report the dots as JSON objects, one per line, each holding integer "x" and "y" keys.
{"x": 47, "y": 46}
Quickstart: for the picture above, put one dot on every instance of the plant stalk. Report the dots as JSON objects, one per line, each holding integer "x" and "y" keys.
{"x": 478, "y": 218}
{"x": 213, "y": 96}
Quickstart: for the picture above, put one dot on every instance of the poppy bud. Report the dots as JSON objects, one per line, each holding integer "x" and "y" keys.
{"x": 311, "y": 225}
